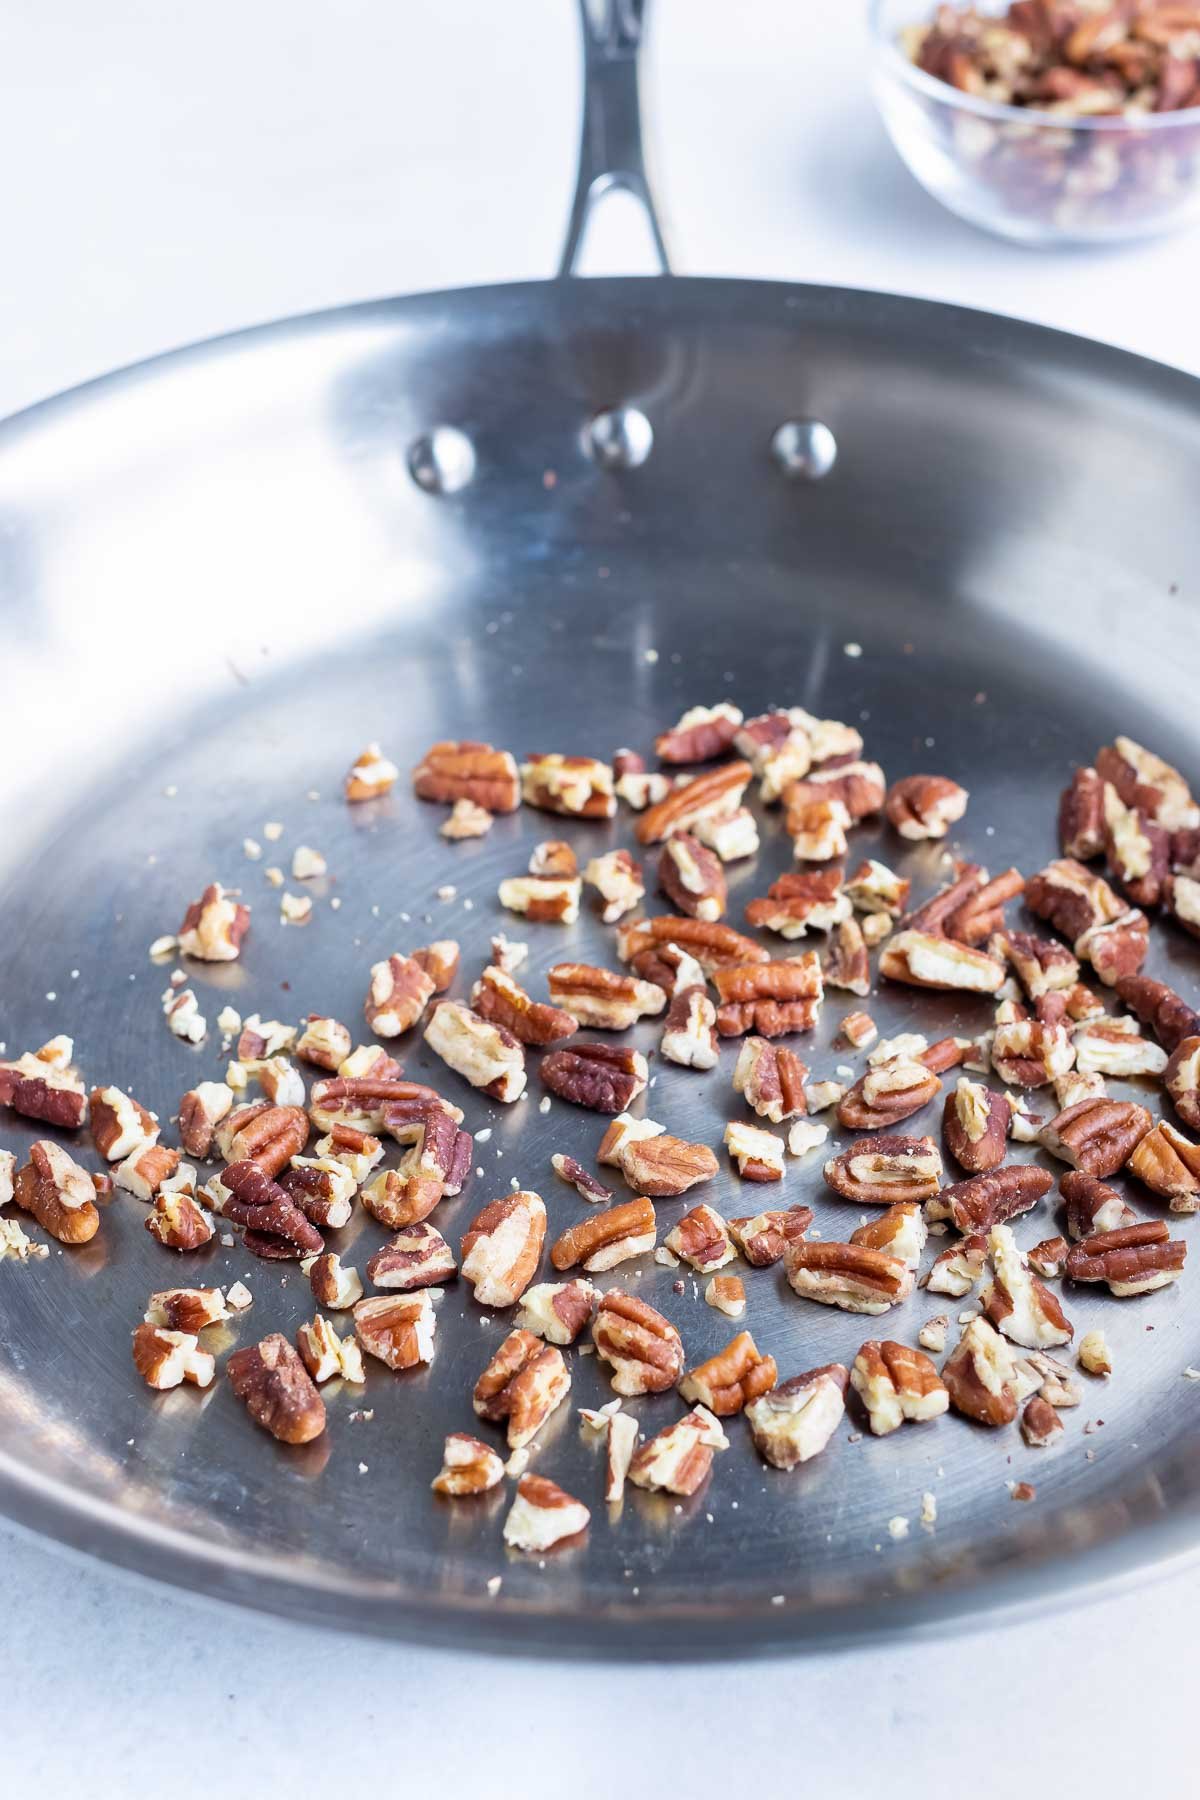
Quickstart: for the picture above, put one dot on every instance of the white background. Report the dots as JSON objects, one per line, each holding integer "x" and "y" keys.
{"x": 172, "y": 172}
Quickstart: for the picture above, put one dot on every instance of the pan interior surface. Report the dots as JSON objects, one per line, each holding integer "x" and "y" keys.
{"x": 219, "y": 581}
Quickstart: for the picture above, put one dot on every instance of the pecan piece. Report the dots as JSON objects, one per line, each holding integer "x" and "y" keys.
{"x": 859, "y": 786}
{"x": 483, "y": 1053}
{"x": 924, "y": 806}
{"x": 397, "y": 1330}
{"x": 1181, "y": 1078}
{"x": 523, "y": 1383}
{"x": 757, "y": 1154}
{"x": 1181, "y": 896}
{"x": 574, "y": 786}
{"x": 545, "y": 899}
{"x": 1144, "y": 780}
{"x": 1097, "y": 1136}
{"x": 582, "y": 1180}
{"x": 980, "y": 1376}
{"x": 42, "y": 1085}
{"x": 325, "y": 1355}
{"x": 1081, "y": 816}
{"x": 887, "y": 1093}
{"x": 858, "y": 1029}
{"x": 177, "y": 1222}
{"x": 850, "y": 1276}
{"x": 557, "y": 1310}
{"x": 880, "y": 1171}
{"x": 817, "y": 829}
{"x": 692, "y": 877}
{"x": 713, "y": 946}
{"x": 846, "y": 964}
{"x": 58, "y": 1193}
{"x": 322, "y": 1188}
{"x": 1041, "y": 965}
{"x": 119, "y": 1124}
{"x": 797, "y": 901}
{"x": 468, "y": 1467}
{"x": 1169, "y": 1017}
{"x": 663, "y": 1166}
{"x": 356, "y": 1150}
{"x": 770, "y": 998}
{"x": 1040, "y": 1424}
{"x": 980, "y": 912}
{"x": 1134, "y": 1259}
{"x": 763, "y": 1237}
{"x": 263, "y": 1134}
{"x": 186, "y": 1309}
{"x": 771, "y": 1079}
{"x": 273, "y": 1224}
{"x": 543, "y": 1515}
{"x": 1049, "y": 1258}
{"x": 702, "y": 734}
{"x": 618, "y": 880}
{"x": 398, "y": 994}
{"x": 1085, "y": 909}
{"x": 324, "y": 1042}
{"x": 467, "y": 820}
{"x": 709, "y": 796}
{"x": 1169, "y": 1164}
{"x": 468, "y": 771}
{"x": 896, "y": 1383}
{"x": 164, "y": 1359}
{"x": 975, "y": 1122}
{"x": 924, "y": 959}
{"x": 678, "y": 1460}
{"x": 602, "y": 999}
{"x": 874, "y": 888}
{"x": 959, "y": 1268}
{"x": 332, "y": 1285}
{"x": 733, "y": 835}
{"x": 982, "y": 1201}
{"x": 372, "y": 776}
{"x": 901, "y": 1231}
{"x": 1017, "y": 1303}
{"x": 501, "y": 1000}
{"x": 1114, "y": 1047}
{"x": 277, "y": 1390}
{"x": 350, "y": 1103}
{"x": 1093, "y": 1206}
{"x": 602, "y": 1240}
{"x": 643, "y": 1349}
{"x": 501, "y": 1248}
{"x": 417, "y": 1257}
{"x": 794, "y": 1421}
{"x": 690, "y": 1030}
{"x": 602, "y": 1077}
{"x": 440, "y": 962}
{"x": 553, "y": 857}
{"x": 1138, "y": 851}
{"x": 731, "y": 1379}
{"x": 1031, "y": 1053}
{"x": 726, "y": 1294}
{"x": 1094, "y": 1354}
{"x": 701, "y": 1239}
{"x": 1117, "y": 948}
{"x": 214, "y": 926}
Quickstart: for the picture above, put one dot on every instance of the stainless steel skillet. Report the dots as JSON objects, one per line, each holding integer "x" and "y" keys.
{"x": 222, "y": 572}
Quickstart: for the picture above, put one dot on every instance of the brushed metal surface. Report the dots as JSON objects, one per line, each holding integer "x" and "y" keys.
{"x": 218, "y": 580}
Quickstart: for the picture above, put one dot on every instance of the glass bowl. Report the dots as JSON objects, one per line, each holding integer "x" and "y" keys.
{"x": 1034, "y": 176}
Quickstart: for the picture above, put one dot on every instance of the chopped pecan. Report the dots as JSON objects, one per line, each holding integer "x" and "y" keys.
{"x": 1094, "y": 1354}
{"x": 333, "y": 1285}
{"x": 858, "y": 1029}
{"x": 663, "y": 1166}
{"x": 602, "y": 1077}
{"x": 164, "y": 1359}
{"x": 757, "y": 1154}
{"x": 1093, "y": 1206}
{"x": 980, "y": 1375}
{"x": 356, "y": 1150}
{"x": 896, "y": 1383}
{"x": 581, "y": 1179}
{"x": 1017, "y": 1303}
{"x": 501, "y": 1248}
{"x": 777, "y": 746}
{"x": 924, "y": 959}
{"x": 1040, "y": 1424}
{"x": 851, "y": 1276}
{"x": 508, "y": 954}
{"x": 440, "y": 962}
{"x": 1097, "y": 1136}
{"x": 1081, "y": 816}
{"x": 623, "y": 1131}
{"x": 1114, "y": 1047}
{"x": 690, "y": 1030}
{"x": 1144, "y": 780}
{"x": 763, "y": 1237}
{"x": 846, "y": 963}
{"x": 468, "y": 771}
{"x": 54, "y": 1189}
{"x": 633, "y": 785}
{"x": 214, "y": 926}
{"x": 467, "y": 820}
{"x": 186, "y": 1309}
{"x": 925, "y": 806}
{"x": 771, "y": 1078}
{"x": 545, "y": 899}
{"x": 1132, "y": 1260}
{"x": 602, "y": 1240}
{"x": 1031, "y": 1053}
{"x": 398, "y": 994}
{"x": 1085, "y": 909}
{"x": 1083, "y": 1004}
{"x": 678, "y": 1460}
{"x": 692, "y": 877}
{"x": 733, "y": 835}
{"x": 709, "y": 796}
{"x": 273, "y": 1224}
{"x": 263, "y": 1134}
{"x": 553, "y": 857}
{"x": 797, "y": 901}
{"x": 1048, "y": 1258}
{"x": 326, "y": 1355}
{"x": 351, "y": 1103}
{"x": 860, "y": 786}
{"x": 713, "y": 946}
{"x": 1169, "y": 1017}
{"x": 874, "y": 888}
{"x": 731, "y": 1379}
{"x": 887, "y": 1093}
{"x": 543, "y": 1515}
{"x": 975, "y": 1122}
{"x": 324, "y": 1042}
{"x": 1041, "y": 965}
{"x": 523, "y": 1383}
{"x": 771, "y": 998}
{"x": 901, "y": 1231}
{"x": 1169, "y": 1164}
{"x": 322, "y": 1188}
{"x": 643, "y": 1349}
{"x": 1117, "y": 948}
{"x": 958, "y": 1269}
{"x": 369, "y": 1062}
{"x": 42, "y": 1085}
{"x": 1051, "y": 1379}
{"x": 557, "y": 1310}
{"x": 483, "y": 1053}
{"x": 1181, "y": 1078}
{"x": 417, "y": 1257}
{"x": 703, "y": 733}
{"x": 618, "y": 880}
{"x": 880, "y": 1171}
{"x": 701, "y": 1239}
{"x": 372, "y": 776}
{"x": 397, "y": 1330}
{"x": 991, "y": 1199}
{"x": 468, "y": 1467}
{"x": 177, "y": 1222}
{"x": 817, "y": 829}
{"x": 119, "y": 1124}
{"x": 574, "y": 786}
{"x": 1137, "y": 850}
{"x": 794, "y": 1421}
{"x": 500, "y": 999}
{"x": 726, "y": 1294}
{"x": 277, "y": 1389}
{"x": 601, "y": 998}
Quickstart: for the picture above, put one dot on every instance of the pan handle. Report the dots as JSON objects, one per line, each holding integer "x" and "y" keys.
{"x": 611, "y": 157}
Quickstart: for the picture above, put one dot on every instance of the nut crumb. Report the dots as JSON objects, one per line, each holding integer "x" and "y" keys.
{"x": 272, "y": 831}
{"x": 897, "y": 1528}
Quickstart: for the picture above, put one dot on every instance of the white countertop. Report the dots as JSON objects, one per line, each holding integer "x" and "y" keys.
{"x": 175, "y": 172}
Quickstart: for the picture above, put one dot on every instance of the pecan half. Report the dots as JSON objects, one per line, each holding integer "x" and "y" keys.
{"x": 214, "y": 926}
{"x": 543, "y": 1515}
{"x": 690, "y": 1030}
{"x": 451, "y": 771}
{"x": 887, "y": 1093}
{"x": 1097, "y": 1136}
{"x": 985, "y": 1200}
{"x": 731, "y": 1379}
{"x": 1135, "y": 1259}
{"x": 757, "y": 1154}
{"x": 713, "y": 946}
{"x": 860, "y": 786}
{"x": 703, "y": 733}
{"x": 1144, "y": 780}
{"x": 263, "y": 1134}
{"x": 975, "y": 1122}
{"x": 545, "y": 899}
{"x": 771, "y": 1079}
{"x": 618, "y": 880}
{"x": 718, "y": 791}
{"x": 523, "y": 1383}
{"x": 1017, "y": 1303}
{"x": 483, "y": 1053}
{"x": 797, "y": 902}
{"x": 664, "y": 1166}
{"x": 771, "y": 998}
{"x": 880, "y": 1171}
{"x": 54, "y": 1189}
{"x": 1181, "y": 1078}
{"x": 468, "y": 1467}
{"x": 924, "y": 959}
{"x": 1137, "y": 850}
{"x": 501, "y": 1248}
{"x": 372, "y": 776}
{"x": 1169, "y": 1017}
{"x": 794, "y": 1421}
{"x": 277, "y": 1390}
{"x": 1093, "y": 1206}
{"x": 177, "y": 1222}
{"x": 119, "y": 1124}
{"x": 1169, "y": 1164}
{"x": 602, "y": 1240}
{"x": 417, "y": 1257}
{"x": 1041, "y": 965}
{"x": 273, "y": 1224}
{"x": 557, "y": 1310}
{"x": 164, "y": 1359}
{"x": 896, "y": 1383}
{"x": 1081, "y": 816}
{"x": 958, "y": 1269}
{"x": 925, "y": 806}
{"x": 980, "y": 1375}
{"x": 553, "y": 857}
{"x": 701, "y": 1239}
{"x": 577, "y": 787}
{"x": 763, "y": 1237}
{"x": 850, "y": 1276}
{"x": 602, "y": 1077}
{"x": 396, "y": 1330}
{"x": 643, "y": 1349}
{"x": 502, "y": 1000}
{"x": 601, "y": 998}
{"x": 900, "y": 1230}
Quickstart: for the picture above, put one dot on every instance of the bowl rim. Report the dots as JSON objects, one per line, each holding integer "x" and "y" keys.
{"x": 889, "y": 53}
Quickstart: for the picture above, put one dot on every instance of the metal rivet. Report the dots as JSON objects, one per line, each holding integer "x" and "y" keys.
{"x": 805, "y": 449}
{"x": 621, "y": 437}
{"x": 442, "y": 461}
